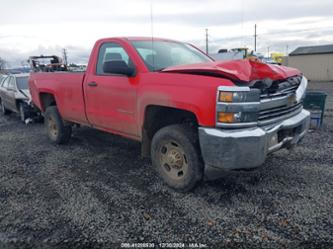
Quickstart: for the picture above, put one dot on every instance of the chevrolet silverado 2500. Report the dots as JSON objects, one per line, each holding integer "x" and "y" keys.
{"x": 193, "y": 116}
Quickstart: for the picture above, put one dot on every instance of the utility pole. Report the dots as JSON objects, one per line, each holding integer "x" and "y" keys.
{"x": 268, "y": 52}
{"x": 207, "y": 41}
{"x": 65, "y": 56}
{"x": 255, "y": 37}
{"x": 287, "y": 50}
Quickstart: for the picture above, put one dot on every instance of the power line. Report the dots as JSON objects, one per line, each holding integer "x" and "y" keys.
{"x": 152, "y": 31}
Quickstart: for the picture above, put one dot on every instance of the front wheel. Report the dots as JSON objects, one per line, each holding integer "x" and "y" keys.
{"x": 58, "y": 132}
{"x": 176, "y": 156}
{"x": 23, "y": 112}
{"x": 4, "y": 111}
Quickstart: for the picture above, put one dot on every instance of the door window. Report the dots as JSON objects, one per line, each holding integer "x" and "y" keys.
{"x": 111, "y": 51}
{"x": 5, "y": 83}
{"x": 11, "y": 84}
{"x": 2, "y": 79}
{"x": 22, "y": 83}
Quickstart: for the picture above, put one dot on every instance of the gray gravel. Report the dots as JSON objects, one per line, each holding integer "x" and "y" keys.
{"x": 97, "y": 189}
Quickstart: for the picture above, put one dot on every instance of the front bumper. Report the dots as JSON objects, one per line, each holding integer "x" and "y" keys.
{"x": 226, "y": 149}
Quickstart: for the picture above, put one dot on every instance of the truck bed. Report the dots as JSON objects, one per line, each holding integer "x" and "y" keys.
{"x": 67, "y": 87}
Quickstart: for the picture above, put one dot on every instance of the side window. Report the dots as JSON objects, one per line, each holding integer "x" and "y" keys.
{"x": 111, "y": 51}
{"x": 11, "y": 83}
{"x": 5, "y": 83}
{"x": 2, "y": 81}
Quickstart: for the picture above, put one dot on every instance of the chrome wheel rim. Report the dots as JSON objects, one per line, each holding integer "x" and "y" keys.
{"x": 52, "y": 126}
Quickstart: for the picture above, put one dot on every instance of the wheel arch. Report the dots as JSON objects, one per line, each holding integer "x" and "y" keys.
{"x": 47, "y": 99}
{"x": 157, "y": 117}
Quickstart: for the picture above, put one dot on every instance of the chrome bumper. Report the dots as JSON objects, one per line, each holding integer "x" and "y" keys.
{"x": 248, "y": 148}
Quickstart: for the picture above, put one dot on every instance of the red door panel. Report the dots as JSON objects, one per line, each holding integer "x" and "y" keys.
{"x": 111, "y": 102}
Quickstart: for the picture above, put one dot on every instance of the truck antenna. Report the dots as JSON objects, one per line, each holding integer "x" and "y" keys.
{"x": 207, "y": 42}
{"x": 255, "y": 38}
{"x": 152, "y": 32}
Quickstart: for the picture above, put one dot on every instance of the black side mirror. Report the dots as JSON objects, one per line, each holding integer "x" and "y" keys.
{"x": 118, "y": 67}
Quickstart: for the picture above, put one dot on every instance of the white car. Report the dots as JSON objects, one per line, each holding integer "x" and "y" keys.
{"x": 15, "y": 96}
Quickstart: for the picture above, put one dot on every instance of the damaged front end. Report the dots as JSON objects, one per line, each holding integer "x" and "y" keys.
{"x": 253, "y": 121}
{"x": 262, "y": 103}
{"x": 263, "y": 94}
{"x": 261, "y": 114}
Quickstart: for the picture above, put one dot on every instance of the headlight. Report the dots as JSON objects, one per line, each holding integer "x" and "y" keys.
{"x": 237, "y": 105}
{"x": 238, "y": 97}
{"x": 238, "y": 117}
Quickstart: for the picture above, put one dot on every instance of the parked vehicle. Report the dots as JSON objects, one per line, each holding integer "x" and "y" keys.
{"x": 2, "y": 78}
{"x": 194, "y": 117}
{"x": 15, "y": 96}
{"x": 270, "y": 61}
{"x": 46, "y": 63}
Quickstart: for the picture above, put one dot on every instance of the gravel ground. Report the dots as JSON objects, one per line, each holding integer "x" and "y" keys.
{"x": 97, "y": 190}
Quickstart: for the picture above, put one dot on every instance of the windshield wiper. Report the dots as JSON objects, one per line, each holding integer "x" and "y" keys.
{"x": 160, "y": 69}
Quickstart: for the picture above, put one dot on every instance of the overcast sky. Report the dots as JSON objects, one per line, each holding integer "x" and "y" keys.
{"x": 32, "y": 27}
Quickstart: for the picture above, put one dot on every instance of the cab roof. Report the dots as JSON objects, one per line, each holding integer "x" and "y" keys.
{"x": 139, "y": 38}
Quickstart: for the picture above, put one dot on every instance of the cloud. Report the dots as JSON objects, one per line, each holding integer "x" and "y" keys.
{"x": 189, "y": 12}
{"x": 39, "y": 26}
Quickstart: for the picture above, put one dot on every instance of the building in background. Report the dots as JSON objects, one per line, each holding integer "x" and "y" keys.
{"x": 316, "y": 62}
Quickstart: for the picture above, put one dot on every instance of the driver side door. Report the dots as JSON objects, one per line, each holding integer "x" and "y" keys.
{"x": 111, "y": 98}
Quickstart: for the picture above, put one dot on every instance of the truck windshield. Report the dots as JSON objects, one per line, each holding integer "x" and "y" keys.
{"x": 22, "y": 83}
{"x": 158, "y": 55}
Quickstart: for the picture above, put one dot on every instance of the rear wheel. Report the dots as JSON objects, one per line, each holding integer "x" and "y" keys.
{"x": 23, "y": 112}
{"x": 176, "y": 156}
{"x": 4, "y": 111}
{"x": 57, "y": 130}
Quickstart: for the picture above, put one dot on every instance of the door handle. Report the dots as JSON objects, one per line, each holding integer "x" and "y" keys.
{"x": 92, "y": 84}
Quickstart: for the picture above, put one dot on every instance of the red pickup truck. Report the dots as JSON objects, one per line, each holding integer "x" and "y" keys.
{"x": 193, "y": 116}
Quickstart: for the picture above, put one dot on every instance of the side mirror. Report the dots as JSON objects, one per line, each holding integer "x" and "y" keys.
{"x": 118, "y": 67}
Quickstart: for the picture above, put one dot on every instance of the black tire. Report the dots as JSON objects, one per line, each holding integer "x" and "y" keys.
{"x": 4, "y": 111}
{"x": 39, "y": 118}
{"x": 57, "y": 130}
{"x": 23, "y": 112}
{"x": 176, "y": 156}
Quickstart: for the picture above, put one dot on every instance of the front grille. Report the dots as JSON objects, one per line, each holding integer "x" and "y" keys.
{"x": 280, "y": 101}
{"x": 275, "y": 113}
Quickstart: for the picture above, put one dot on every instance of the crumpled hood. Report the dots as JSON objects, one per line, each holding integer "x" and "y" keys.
{"x": 243, "y": 71}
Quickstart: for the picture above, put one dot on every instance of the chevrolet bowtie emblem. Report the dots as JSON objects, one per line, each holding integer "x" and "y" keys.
{"x": 291, "y": 99}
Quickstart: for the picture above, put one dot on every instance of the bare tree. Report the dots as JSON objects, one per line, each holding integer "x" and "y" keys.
{"x": 2, "y": 64}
